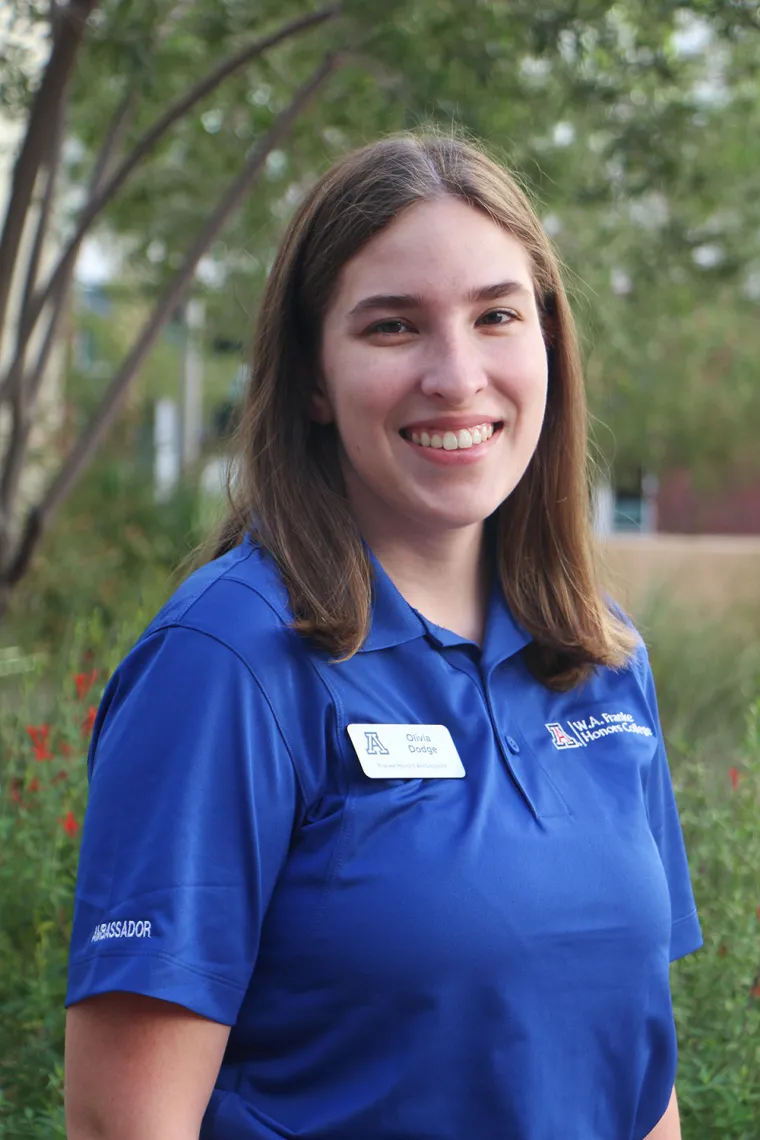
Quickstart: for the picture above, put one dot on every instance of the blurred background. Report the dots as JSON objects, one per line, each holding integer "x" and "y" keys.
{"x": 151, "y": 154}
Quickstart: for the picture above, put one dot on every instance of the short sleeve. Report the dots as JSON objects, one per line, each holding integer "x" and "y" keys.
{"x": 193, "y": 800}
{"x": 686, "y": 935}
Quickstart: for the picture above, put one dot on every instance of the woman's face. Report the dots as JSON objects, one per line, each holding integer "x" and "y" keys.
{"x": 434, "y": 371}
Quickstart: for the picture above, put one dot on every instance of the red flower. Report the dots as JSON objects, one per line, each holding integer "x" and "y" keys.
{"x": 34, "y": 784}
{"x": 755, "y": 991}
{"x": 59, "y": 777}
{"x": 734, "y": 776}
{"x": 15, "y": 790}
{"x": 65, "y": 748}
{"x": 89, "y": 721}
{"x": 69, "y": 824}
{"x": 722, "y": 951}
{"x": 84, "y": 682}
{"x": 40, "y": 735}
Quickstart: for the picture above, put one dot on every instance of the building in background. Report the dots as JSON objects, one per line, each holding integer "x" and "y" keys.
{"x": 676, "y": 504}
{"x": 685, "y": 508}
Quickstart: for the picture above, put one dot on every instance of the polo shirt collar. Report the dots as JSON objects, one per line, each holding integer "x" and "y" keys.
{"x": 395, "y": 622}
{"x": 393, "y": 619}
{"x": 504, "y": 635}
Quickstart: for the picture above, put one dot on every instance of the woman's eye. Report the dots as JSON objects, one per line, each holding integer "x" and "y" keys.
{"x": 499, "y": 317}
{"x": 389, "y": 327}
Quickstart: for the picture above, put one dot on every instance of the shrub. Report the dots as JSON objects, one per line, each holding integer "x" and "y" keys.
{"x": 113, "y": 550}
{"x": 706, "y": 667}
{"x": 716, "y": 992}
{"x": 44, "y": 735}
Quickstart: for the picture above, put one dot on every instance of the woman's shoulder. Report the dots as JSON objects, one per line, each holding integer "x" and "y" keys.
{"x": 224, "y": 645}
{"x": 635, "y": 674}
{"x": 239, "y": 600}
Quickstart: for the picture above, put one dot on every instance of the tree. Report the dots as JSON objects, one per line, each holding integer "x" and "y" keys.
{"x": 180, "y": 109}
{"x": 43, "y": 298}
{"x": 638, "y": 165}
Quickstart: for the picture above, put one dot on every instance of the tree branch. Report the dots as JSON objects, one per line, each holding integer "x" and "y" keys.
{"x": 15, "y": 375}
{"x": 23, "y": 405}
{"x": 74, "y": 465}
{"x": 13, "y": 466}
{"x": 55, "y": 79}
{"x": 51, "y": 164}
{"x": 112, "y": 143}
{"x": 33, "y": 383}
{"x": 149, "y": 139}
{"x": 25, "y": 386}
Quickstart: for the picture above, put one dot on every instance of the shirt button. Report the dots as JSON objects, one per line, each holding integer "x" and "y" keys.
{"x": 512, "y": 744}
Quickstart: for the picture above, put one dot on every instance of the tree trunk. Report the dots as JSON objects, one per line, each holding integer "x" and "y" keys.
{"x": 17, "y": 561}
{"x": 108, "y": 187}
{"x": 55, "y": 80}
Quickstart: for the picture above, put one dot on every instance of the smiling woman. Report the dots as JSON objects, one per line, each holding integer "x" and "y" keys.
{"x": 409, "y": 378}
{"x": 353, "y": 275}
{"x": 399, "y": 872}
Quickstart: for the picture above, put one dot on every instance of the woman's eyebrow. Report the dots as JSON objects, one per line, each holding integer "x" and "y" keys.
{"x": 501, "y": 289}
{"x": 387, "y": 301}
{"x": 397, "y": 301}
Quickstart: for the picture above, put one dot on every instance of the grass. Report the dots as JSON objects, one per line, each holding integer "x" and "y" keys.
{"x": 707, "y": 672}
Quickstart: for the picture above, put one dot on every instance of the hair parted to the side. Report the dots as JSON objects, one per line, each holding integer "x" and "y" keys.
{"x": 288, "y": 488}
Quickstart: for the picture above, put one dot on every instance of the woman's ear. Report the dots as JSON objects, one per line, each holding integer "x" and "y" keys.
{"x": 320, "y": 407}
{"x": 548, "y": 317}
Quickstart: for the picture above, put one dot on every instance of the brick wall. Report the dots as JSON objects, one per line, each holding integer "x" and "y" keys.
{"x": 683, "y": 510}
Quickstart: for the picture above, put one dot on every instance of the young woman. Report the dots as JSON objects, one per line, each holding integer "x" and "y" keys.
{"x": 381, "y": 841}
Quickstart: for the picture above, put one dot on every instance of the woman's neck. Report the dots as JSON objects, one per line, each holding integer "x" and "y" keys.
{"x": 445, "y": 577}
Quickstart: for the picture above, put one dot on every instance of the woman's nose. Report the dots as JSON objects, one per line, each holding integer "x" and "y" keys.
{"x": 454, "y": 371}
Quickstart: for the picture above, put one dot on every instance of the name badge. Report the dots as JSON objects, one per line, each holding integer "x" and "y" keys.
{"x": 406, "y": 751}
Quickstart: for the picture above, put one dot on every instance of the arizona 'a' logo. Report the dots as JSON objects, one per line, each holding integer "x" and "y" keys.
{"x": 374, "y": 745}
{"x": 562, "y": 739}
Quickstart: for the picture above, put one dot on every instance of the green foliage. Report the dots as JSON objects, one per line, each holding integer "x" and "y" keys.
{"x": 106, "y": 338}
{"x": 707, "y": 672}
{"x": 22, "y": 28}
{"x": 112, "y": 550}
{"x": 628, "y": 120}
{"x": 716, "y": 993}
{"x": 45, "y": 725}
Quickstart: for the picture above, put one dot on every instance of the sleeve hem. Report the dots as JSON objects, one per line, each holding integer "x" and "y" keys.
{"x": 157, "y": 976}
{"x": 686, "y": 936}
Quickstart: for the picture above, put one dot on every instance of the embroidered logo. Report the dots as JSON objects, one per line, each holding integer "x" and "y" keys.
{"x": 374, "y": 745}
{"x": 581, "y": 733}
{"x": 122, "y": 928}
{"x": 562, "y": 739}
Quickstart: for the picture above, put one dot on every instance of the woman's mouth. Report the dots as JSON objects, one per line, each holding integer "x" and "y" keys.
{"x": 460, "y": 440}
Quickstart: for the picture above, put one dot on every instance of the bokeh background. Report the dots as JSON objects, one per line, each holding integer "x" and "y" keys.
{"x": 150, "y": 156}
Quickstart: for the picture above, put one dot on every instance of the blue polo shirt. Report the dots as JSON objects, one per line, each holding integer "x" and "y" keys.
{"x": 399, "y": 958}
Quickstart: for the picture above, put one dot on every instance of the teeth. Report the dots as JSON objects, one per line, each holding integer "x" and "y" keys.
{"x": 454, "y": 441}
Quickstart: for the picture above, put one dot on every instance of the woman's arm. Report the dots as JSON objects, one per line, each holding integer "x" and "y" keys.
{"x": 669, "y": 1127}
{"x": 138, "y": 1068}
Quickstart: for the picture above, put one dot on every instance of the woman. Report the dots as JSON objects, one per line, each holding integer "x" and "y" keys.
{"x": 381, "y": 840}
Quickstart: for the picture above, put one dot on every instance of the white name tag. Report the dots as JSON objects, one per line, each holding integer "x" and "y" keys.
{"x": 406, "y": 751}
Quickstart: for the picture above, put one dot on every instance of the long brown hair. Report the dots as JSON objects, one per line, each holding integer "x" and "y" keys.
{"x": 288, "y": 489}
